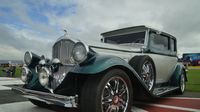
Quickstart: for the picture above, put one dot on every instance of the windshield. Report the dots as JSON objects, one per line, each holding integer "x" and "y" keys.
{"x": 127, "y": 38}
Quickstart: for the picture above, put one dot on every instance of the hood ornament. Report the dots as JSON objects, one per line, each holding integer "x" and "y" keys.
{"x": 66, "y": 33}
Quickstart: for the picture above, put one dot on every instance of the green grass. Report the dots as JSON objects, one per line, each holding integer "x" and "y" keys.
{"x": 17, "y": 72}
{"x": 1, "y": 72}
{"x": 193, "y": 83}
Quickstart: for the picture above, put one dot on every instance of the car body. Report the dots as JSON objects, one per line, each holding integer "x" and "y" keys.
{"x": 104, "y": 76}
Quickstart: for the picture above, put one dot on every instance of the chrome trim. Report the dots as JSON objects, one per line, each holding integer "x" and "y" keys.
{"x": 49, "y": 98}
{"x": 72, "y": 65}
{"x": 55, "y": 61}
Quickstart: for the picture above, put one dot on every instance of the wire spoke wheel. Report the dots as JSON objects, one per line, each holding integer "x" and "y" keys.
{"x": 147, "y": 74}
{"x": 115, "y": 96}
{"x": 182, "y": 83}
{"x": 145, "y": 68}
{"x": 109, "y": 92}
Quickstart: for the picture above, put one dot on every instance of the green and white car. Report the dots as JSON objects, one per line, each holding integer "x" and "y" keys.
{"x": 106, "y": 76}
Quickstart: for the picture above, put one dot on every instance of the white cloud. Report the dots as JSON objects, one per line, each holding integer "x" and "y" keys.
{"x": 9, "y": 52}
{"x": 16, "y": 42}
{"x": 92, "y": 17}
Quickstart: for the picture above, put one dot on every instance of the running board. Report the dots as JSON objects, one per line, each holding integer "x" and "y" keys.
{"x": 163, "y": 90}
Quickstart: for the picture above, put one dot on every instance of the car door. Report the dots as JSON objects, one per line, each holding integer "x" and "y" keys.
{"x": 163, "y": 52}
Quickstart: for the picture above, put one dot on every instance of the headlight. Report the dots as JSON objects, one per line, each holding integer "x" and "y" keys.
{"x": 25, "y": 74}
{"x": 28, "y": 58}
{"x": 31, "y": 59}
{"x": 79, "y": 52}
{"x": 42, "y": 62}
{"x": 55, "y": 65}
{"x": 44, "y": 76}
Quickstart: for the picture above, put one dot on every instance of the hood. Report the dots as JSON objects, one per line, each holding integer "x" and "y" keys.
{"x": 117, "y": 47}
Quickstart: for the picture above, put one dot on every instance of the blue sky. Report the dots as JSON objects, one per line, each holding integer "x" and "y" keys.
{"x": 22, "y": 14}
{"x": 36, "y": 24}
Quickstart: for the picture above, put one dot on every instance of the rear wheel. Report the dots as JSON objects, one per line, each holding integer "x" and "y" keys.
{"x": 182, "y": 86}
{"x": 111, "y": 92}
{"x": 144, "y": 66}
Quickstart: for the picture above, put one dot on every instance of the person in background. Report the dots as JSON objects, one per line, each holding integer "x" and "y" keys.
{"x": 13, "y": 68}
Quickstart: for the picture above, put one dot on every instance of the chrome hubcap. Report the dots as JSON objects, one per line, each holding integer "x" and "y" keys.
{"x": 147, "y": 74}
{"x": 115, "y": 96}
{"x": 182, "y": 83}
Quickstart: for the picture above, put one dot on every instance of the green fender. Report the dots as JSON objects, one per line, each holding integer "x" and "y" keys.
{"x": 100, "y": 63}
{"x": 176, "y": 75}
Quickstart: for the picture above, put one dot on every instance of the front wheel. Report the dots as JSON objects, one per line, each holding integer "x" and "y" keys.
{"x": 111, "y": 92}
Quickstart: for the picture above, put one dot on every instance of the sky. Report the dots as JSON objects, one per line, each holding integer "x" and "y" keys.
{"x": 34, "y": 25}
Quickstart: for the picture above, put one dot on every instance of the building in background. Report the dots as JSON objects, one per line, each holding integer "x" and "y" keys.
{"x": 192, "y": 59}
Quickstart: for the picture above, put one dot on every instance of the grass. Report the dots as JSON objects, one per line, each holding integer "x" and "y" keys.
{"x": 1, "y": 72}
{"x": 193, "y": 83}
{"x": 17, "y": 72}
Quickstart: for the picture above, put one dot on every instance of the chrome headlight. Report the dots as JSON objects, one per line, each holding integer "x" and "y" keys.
{"x": 80, "y": 52}
{"x": 28, "y": 58}
{"x": 55, "y": 65}
{"x": 42, "y": 62}
{"x": 25, "y": 74}
{"x": 31, "y": 59}
{"x": 44, "y": 76}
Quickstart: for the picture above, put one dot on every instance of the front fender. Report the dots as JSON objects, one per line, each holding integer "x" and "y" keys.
{"x": 101, "y": 63}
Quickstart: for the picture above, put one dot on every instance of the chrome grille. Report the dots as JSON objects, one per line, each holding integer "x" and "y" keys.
{"x": 63, "y": 51}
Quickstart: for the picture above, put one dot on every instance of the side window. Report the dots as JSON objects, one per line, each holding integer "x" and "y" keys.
{"x": 159, "y": 43}
{"x": 173, "y": 46}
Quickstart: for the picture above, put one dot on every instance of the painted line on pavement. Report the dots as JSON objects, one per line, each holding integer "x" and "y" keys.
{"x": 136, "y": 109}
{"x": 186, "y": 98}
{"x": 170, "y": 107}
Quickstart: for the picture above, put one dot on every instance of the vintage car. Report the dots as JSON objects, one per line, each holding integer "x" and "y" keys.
{"x": 128, "y": 63}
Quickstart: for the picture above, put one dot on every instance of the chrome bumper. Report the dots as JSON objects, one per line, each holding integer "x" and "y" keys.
{"x": 49, "y": 98}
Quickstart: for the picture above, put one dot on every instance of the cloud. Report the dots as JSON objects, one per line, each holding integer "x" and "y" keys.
{"x": 36, "y": 24}
{"x": 15, "y": 42}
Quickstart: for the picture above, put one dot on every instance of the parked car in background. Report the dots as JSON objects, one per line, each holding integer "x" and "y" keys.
{"x": 105, "y": 76}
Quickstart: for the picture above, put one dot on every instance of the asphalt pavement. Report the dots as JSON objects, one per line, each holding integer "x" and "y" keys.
{"x": 11, "y": 102}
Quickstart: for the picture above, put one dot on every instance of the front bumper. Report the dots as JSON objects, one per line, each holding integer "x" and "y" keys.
{"x": 49, "y": 98}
